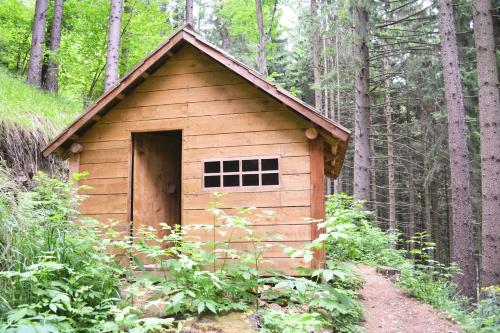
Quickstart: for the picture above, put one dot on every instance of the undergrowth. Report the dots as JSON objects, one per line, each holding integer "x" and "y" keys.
{"x": 235, "y": 281}
{"x": 57, "y": 273}
{"x": 358, "y": 239}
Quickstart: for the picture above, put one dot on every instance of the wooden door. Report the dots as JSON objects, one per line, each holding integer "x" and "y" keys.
{"x": 156, "y": 180}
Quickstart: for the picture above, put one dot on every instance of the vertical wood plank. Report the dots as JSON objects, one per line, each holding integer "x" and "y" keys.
{"x": 317, "y": 194}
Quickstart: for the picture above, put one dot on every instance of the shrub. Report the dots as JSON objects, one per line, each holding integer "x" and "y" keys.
{"x": 354, "y": 235}
{"x": 234, "y": 281}
{"x": 57, "y": 275}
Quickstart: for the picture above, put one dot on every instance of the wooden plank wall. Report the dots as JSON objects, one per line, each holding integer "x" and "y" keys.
{"x": 220, "y": 115}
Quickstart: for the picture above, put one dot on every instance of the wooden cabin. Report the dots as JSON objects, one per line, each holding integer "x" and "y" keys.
{"x": 190, "y": 120}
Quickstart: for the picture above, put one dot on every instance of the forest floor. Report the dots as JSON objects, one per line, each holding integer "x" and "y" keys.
{"x": 387, "y": 309}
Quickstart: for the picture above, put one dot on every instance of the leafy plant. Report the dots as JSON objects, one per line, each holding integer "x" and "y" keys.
{"x": 57, "y": 274}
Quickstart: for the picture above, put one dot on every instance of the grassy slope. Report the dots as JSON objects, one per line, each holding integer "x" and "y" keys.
{"x": 20, "y": 103}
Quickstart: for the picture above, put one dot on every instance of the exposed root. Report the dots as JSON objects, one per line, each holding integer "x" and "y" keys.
{"x": 21, "y": 150}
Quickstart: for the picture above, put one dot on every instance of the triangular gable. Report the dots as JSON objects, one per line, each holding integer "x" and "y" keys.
{"x": 335, "y": 135}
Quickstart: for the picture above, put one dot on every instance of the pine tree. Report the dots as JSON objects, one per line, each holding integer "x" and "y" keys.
{"x": 361, "y": 179}
{"x": 489, "y": 116}
{"x": 462, "y": 229}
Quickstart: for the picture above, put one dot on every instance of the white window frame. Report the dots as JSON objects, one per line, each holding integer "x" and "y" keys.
{"x": 240, "y": 173}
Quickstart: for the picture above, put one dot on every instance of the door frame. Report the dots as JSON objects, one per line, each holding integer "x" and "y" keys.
{"x": 130, "y": 196}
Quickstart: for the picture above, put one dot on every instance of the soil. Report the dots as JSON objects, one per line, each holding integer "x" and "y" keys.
{"x": 387, "y": 309}
{"x": 233, "y": 322}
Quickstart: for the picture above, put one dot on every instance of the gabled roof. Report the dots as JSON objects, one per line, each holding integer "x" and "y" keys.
{"x": 335, "y": 135}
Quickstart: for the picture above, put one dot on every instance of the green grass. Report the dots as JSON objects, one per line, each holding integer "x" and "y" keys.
{"x": 21, "y": 103}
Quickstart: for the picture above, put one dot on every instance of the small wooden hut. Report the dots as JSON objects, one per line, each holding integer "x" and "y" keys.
{"x": 190, "y": 120}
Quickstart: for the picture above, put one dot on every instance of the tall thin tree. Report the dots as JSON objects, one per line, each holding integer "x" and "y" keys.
{"x": 114, "y": 34}
{"x": 489, "y": 116}
{"x": 189, "y": 12}
{"x": 51, "y": 83}
{"x": 391, "y": 168}
{"x": 262, "y": 66}
{"x": 316, "y": 54}
{"x": 462, "y": 225}
{"x": 34, "y": 76}
{"x": 361, "y": 178}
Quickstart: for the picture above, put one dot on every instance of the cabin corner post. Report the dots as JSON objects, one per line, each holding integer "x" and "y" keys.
{"x": 317, "y": 195}
{"x": 73, "y": 165}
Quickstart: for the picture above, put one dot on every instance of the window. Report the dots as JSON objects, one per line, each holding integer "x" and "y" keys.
{"x": 241, "y": 172}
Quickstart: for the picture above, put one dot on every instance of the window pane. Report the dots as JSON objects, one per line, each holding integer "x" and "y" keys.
{"x": 231, "y": 180}
{"x": 231, "y": 166}
{"x": 269, "y": 164}
{"x": 270, "y": 179}
{"x": 212, "y": 167}
{"x": 251, "y": 180}
{"x": 212, "y": 181}
{"x": 250, "y": 165}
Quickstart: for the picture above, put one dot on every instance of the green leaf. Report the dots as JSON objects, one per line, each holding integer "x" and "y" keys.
{"x": 53, "y": 307}
{"x": 211, "y": 307}
{"x": 328, "y": 275}
{"x": 16, "y": 315}
{"x": 201, "y": 307}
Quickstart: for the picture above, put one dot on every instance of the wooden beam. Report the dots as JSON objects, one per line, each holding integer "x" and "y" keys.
{"x": 334, "y": 148}
{"x": 96, "y": 118}
{"x": 145, "y": 75}
{"x": 74, "y": 137}
{"x": 120, "y": 97}
{"x": 311, "y": 133}
{"x": 317, "y": 194}
{"x": 329, "y": 157}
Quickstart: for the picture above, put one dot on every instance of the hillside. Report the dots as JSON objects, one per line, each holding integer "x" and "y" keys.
{"x": 21, "y": 103}
{"x": 29, "y": 118}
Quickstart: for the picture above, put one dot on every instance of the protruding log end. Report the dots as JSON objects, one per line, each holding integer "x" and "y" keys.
{"x": 76, "y": 148}
{"x": 311, "y": 133}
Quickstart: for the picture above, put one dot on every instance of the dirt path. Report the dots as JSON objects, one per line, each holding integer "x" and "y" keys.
{"x": 387, "y": 309}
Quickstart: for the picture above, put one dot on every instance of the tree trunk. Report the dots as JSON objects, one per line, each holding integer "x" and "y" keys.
{"x": 34, "y": 76}
{"x": 411, "y": 188}
{"x": 262, "y": 39}
{"x": 373, "y": 177}
{"x": 338, "y": 182}
{"x": 489, "y": 115}
{"x": 224, "y": 36}
{"x": 125, "y": 38}
{"x": 391, "y": 170}
{"x": 113, "y": 55}
{"x": 361, "y": 179}
{"x": 316, "y": 55}
{"x": 430, "y": 170}
{"x": 436, "y": 230}
{"x": 463, "y": 231}
{"x": 189, "y": 12}
{"x": 55, "y": 40}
